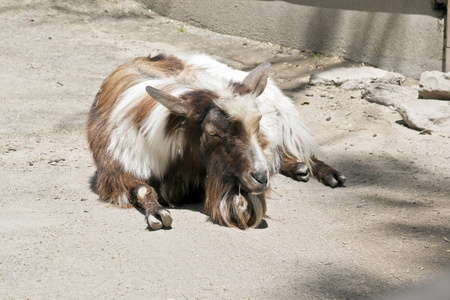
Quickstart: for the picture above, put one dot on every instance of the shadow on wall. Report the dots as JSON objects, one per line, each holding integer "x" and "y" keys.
{"x": 377, "y": 38}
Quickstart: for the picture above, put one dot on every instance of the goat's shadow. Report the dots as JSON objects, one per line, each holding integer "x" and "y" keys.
{"x": 194, "y": 202}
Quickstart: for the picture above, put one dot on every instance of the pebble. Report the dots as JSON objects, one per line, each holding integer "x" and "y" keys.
{"x": 54, "y": 162}
{"x": 10, "y": 149}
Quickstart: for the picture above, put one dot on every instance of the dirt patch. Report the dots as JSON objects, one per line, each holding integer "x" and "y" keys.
{"x": 386, "y": 230}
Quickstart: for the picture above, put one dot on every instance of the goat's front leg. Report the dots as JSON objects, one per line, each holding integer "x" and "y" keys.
{"x": 156, "y": 216}
{"x": 298, "y": 170}
{"x": 326, "y": 174}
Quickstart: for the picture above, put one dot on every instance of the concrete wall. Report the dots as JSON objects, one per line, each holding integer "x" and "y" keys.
{"x": 406, "y": 36}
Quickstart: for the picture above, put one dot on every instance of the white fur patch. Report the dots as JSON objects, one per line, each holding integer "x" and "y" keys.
{"x": 142, "y": 192}
{"x": 258, "y": 156}
{"x": 146, "y": 152}
{"x": 283, "y": 128}
{"x": 242, "y": 108}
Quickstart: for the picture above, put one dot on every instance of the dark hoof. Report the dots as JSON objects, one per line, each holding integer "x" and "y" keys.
{"x": 297, "y": 170}
{"x": 334, "y": 179}
{"x": 301, "y": 172}
{"x": 327, "y": 175}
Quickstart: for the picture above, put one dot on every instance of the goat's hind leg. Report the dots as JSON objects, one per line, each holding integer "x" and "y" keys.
{"x": 119, "y": 187}
{"x": 157, "y": 217}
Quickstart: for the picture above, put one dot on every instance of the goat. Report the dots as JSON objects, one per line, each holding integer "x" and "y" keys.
{"x": 164, "y": 128}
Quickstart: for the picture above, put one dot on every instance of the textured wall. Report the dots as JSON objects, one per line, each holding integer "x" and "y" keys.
{"x": 403, "y": 35}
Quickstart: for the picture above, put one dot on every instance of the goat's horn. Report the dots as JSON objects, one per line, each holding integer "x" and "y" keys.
{"x": 174, "y": 104}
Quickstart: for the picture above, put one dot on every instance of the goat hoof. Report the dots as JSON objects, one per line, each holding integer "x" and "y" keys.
{"x": 159, "y": 219}
{"x": 301, "y": 172}
{"x": 334, "y": 179}
{"x": 341, "y": 179}
{"x": 327, "y": 175}
{"x": 295, "y": 170}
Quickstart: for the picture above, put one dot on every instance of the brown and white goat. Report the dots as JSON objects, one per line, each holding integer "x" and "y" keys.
{"x": 167, "y": 127}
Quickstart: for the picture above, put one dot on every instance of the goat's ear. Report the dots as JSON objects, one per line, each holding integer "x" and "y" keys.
{"x": 174, "y": 104}
{"x": 256, "y": 81}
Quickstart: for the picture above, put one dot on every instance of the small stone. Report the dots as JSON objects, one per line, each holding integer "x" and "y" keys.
{"x": 55, "y": 161}
{"x": 328, "y": 119}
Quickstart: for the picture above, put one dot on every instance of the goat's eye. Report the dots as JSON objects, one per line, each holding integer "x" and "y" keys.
{"x": 214, "y": 133}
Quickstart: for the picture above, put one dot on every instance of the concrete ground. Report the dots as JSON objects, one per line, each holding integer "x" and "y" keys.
{"x": 387, "y": 230}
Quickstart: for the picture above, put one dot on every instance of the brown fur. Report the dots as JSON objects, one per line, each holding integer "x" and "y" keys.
{"x": 262, "y": 140}
{"x": 186, "y": 178}
{"x": 140, "y": 112}
{"x": 168, "y": 65}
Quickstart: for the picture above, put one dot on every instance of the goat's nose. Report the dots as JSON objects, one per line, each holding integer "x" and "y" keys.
{"x": 261, "y": 177}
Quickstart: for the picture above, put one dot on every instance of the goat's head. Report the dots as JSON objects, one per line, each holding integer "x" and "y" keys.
{"x": 228, "y": 135}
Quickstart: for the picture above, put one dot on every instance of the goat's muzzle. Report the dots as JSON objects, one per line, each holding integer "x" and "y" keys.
{"x": 256, "y": 182}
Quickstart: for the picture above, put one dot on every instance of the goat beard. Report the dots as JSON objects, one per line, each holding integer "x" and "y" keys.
{"x": 228, "y": 204}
